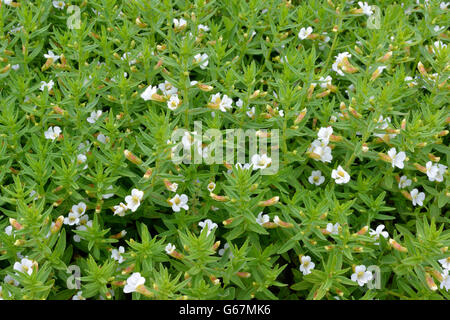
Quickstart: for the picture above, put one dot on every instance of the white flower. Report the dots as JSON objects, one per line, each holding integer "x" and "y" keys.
{"x": 239, "y": 103}
{"x": 333, "y": 229}
{"x": 417, "y": 198}
{"x": 170, "y": 248}
{"x": 305, "y": 32}
{"x": 260, "y": 162}
{"x": 440, "y": 172}
{"x": 321, "y": 149}
{"x": 439, "y": 45}
{"x": 120, "y": 209}
{"x": 173, "y": 102}
{"x": 25, "y": 266}
{"x": 72, "y": 218}
{"x": 8, "y": 2}
{"x": 133, "y": 282}
{"x": 445, "y": 263}
{"x": 324, "y": 134}
{"x": 102, "y": 138}
{"x": 324, "y": 82}
{"x": 167, "y": 89}
{"x": 404, "y": 182}
{"x": 211, "y": 186}
{"x": 179, "y": 23}
{"x": 8, "y": 279}
{"x": 202, "y": 27}
{"x": 51, "y": 55}
{"x": 339, "y": 59}
{"x": 52, "y": 133}
{"x": 15, "y": 67}
{"x": 201, "y": 59}
{"x": 108, "y": 195}
{"x": 95, "y": 115}
{"x": 444, "y": 5}
{"x": 117, "y": 254}
{"x": 178, "y": 202}
{"x": 59, "y": 4}
{"x": 340, "y": 175}
{"x": 9, "y": 230}
{"x": 81, "y": 158}
{"x": 397, "y": 158}
{"x": 316, "y": 178}
{"x": 149, "y": 92}
{"x": 262, "y": 218}
{"x": 367, "y": 10}
{"x": 251, "y": 112}
{"x": 246, "y": 166}
{"x": 379, "y": 231}
{"x": 225, "y": 103}
{"x": 208, "y": 224}
{"x": 306, "y": 265}
{"x": 445, "y": 283}
{"x": 361, "y": 275}
{"x": 79, "y": 208}
{"x": 79, "y": 296}
{"x": 224, "y": 249}
{"x": 134, "y": 200}
{"x": 383, "y": 124}
{"x": 49, "y": 85}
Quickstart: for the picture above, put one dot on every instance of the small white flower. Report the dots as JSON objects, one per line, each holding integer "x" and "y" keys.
{"x": 49, "y": 85}
{"x": 15, "y": 67}
{"x": 170, "y": 248}
{"x": 246, "y": 166}
{"x": 58, "y": 4}
{"x": 202, "y": 60}
{"x": 417, "y": 198}
{"x": 79, "y": 208}
{"x": 52, "y": 133}
{"x": 404, "y": 182}
{"x": 225, "y": 103}
{"x": 8, "y": 279}
{"x": 120, "y": 209}
{"x": 25, "y": 266}
{"x": 149, "y": 92}
{"x": 305, "y": 32}
{"x": 202, "y": 27}
{"x": 324, "y": 134}
{"x": 9, "y": 230}
{"x": 333, "y": 229}
{"x": 361, "y": 275}
{"x": 117, "y": 254}
{"x": 224, "y": 249}
{"x": 260, "y": 162}
{"x": 167, "y": 89}
{"x": 445, "y": 283}
{"x": 379, "y": 231}
{"x": 262, "y": 218}
{"x": 239, "y": 103}
{"x": 338, "y": 63}
{"x": 367, "y": 10}
{"x": 211, "y": 186}
{"x": 340, "y": 175}
{"x": 306, "y": 265}
{"x": 397, "y": 158}
{"x": 173, "y": 102}
{"x": 207, "y": 224}
{"x": 438, "y": 46}
{"x": 133, "y": 282}
{"x": 79, "y": 296}
{"x": 179, "y": 202}
{"x": 444, "y": 5}
{"x": 316, "y": 178}
{"x": 324, "y": 82}
{"x": 51, "y": 55}
{"x": 102, "y": 138}
{"x": 134, "y": 200}
{"x": 179, "y": 23}
{"x": 445, "y": 263}
{"x": 95, "y": 115}
{"x": 72, "y": 218}
{"x": 251, "y": 112}
{"x": 108, "y": 195}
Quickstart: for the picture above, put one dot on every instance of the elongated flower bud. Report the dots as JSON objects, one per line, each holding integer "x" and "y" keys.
{"x": 281, "y": 223}
{"x": 119, "y": 235}
{"x": 131, "y": 157}
{"x": 148, "y": 173}
{"x": 300, "y": 116}
{"x": 228, "y": 221}
{"x": 397, "y": 246}
{"x": 430, "y": 282}
{"x": 58, "y": 224}
{"x": 140, "y": 23}
{"x": 242, "y": 274}
{"x": 362, "y": 231}
{"x": 386, "y": 57}
{"x": 269, "y": 202}
{"x": 420, "y": 168}
{"x": 128, "y": 269}
{"x": 16, "y": 225}
{"x": 421, "y": 69}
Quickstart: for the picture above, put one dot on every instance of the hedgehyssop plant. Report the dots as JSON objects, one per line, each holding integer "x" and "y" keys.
{"x": 93, "y": 205}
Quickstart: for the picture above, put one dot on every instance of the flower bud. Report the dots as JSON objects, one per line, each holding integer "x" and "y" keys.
{"x": 16, "y": 225}
{"x": 131, "y": 157}
{"x": 397, "y": 246}
{"x": 228, "y": 221}
{"x": 140, "y": 23}
{"x": 421, "y": 69}
{"x": 269, "y": 202}
{"x": 420, "y": 168}
{"x": 241, "y": 274}
{"x": 58, "y": 224}
{"x": 119, "y": 235}
{"x": 219, "y": 198}
{"x": 281, "y": 223}
{"x": 386, "y": 57}
{"x": 148, "y": 173}
{"x": 430, "y": 282}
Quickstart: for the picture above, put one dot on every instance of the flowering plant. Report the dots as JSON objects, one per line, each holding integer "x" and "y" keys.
{"x": 354, "y": 205}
